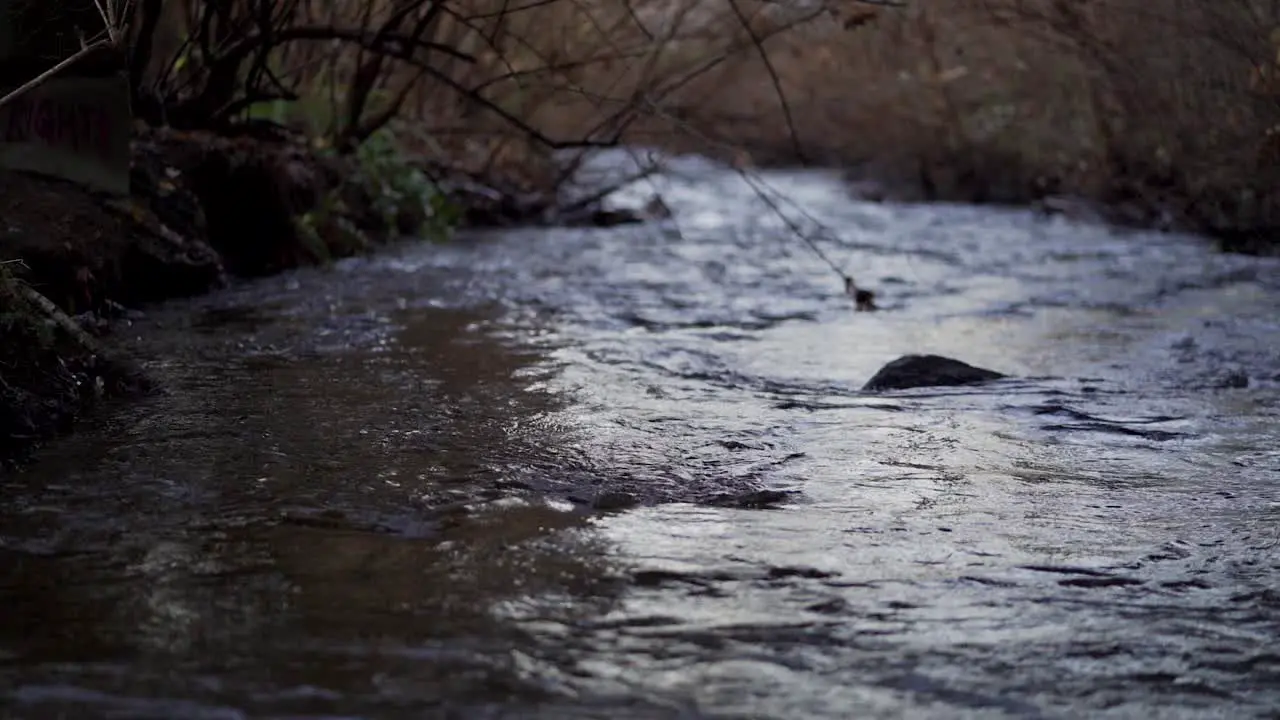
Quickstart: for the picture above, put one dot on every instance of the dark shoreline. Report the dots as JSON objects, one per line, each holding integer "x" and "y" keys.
{"x": 93, "y": 257}
{"x": 1133, "y": 201}
{"x": 203, "y": 208}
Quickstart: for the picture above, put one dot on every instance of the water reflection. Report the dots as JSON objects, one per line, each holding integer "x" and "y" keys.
{"x": 292, "y": 530}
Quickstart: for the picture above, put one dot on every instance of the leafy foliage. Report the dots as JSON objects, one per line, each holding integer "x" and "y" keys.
{"x": 404, "y": 199}
{"x": 401, "y": 189}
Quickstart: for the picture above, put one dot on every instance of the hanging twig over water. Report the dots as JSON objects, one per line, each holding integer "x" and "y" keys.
{"x": 863, "y": 299}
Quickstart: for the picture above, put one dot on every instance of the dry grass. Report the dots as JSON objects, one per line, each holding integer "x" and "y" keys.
{"x": 498, "y": 82}
{"x": 976, "y": 99}
{"x": 1148, "y": 100}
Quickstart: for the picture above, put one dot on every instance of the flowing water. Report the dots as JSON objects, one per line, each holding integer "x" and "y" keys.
{"x": 629, "y": 473}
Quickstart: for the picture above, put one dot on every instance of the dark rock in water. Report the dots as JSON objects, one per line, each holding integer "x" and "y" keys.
{"x": 1071, "y": 208}
{"x": 912, "y": 371}
{"x": 1231, "y": 379}
{"x": 612, "y": 500}
{"x": 606, "y": 218}
{"x": 751, "y": 500}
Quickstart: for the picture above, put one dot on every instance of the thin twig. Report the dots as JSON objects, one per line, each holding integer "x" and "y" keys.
{"x": 773, "y": 78}
{"x": 115, "y": 15}
{"x": 45, "y": 76}
{"x": 608, "y": 190}
{"x": 768, "y": 195}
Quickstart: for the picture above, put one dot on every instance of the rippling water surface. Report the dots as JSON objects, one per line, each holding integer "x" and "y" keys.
{"x": 630, "y": 473}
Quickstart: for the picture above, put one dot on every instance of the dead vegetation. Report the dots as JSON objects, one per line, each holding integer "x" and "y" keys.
{"x": 1162, "y": 105}
{"x": 1152, "y": 103}
{"x": 491, "y": 88}
{"x": 1163, "y": 102}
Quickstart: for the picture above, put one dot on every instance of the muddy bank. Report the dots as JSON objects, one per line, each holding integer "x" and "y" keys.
{"x": 203, "y": 208}
{"x": 68, "y": 253}
{"x": 1141, "y": 204}
{"x": 51, "y": 371}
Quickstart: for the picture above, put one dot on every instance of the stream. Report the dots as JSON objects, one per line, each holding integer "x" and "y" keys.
{"x": 630, "y": 473}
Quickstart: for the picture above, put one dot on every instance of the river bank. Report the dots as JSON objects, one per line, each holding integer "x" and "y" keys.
{"x": 208, "y": 208}
{"x": 1117, "y": 201}
{"x": 203, "y": 209}
{"x": 1236, "y": 220}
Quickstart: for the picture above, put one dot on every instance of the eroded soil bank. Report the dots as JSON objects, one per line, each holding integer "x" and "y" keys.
{"x": 203, "y": 209}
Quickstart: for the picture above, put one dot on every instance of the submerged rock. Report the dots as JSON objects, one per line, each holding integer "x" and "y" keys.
{"x": 912, "y": 371}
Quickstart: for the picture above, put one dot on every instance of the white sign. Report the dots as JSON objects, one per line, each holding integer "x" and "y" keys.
{"x": 75, "y": 128}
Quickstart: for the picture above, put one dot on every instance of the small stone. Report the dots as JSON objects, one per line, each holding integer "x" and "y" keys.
{"x": 1234, "y": 379}
{"x": 752, "y": 500}
{"x": 607, "y": 501}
